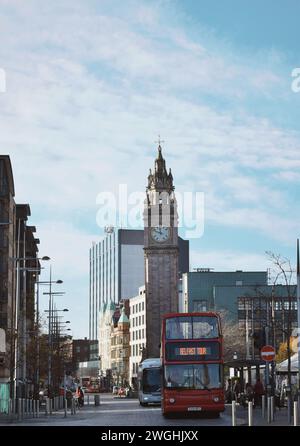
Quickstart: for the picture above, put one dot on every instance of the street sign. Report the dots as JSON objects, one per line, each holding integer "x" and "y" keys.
{"x": 267, "y": 353}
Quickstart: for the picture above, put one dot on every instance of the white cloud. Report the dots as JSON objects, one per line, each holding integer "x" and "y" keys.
{"x": 87, "y": 93}
{"x": 228, "y": 260}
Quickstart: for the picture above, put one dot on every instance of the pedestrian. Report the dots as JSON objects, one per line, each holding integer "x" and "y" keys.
{"x": 69, "y": 397}
{"x": 80, "y": 396}
{"x": 228, "y": 391}
{"x": 237, "y": 390}
{"x": 249, "y": 392}
{"x": 259, "y": 391}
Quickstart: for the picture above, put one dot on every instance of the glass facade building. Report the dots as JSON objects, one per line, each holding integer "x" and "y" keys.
{"x": 117, "y": 270}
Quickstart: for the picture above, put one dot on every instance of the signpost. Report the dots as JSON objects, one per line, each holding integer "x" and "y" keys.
{"x": 267, "y": 353}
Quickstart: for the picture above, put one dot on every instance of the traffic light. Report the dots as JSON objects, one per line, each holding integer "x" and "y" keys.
{"x": 259, "y": 338}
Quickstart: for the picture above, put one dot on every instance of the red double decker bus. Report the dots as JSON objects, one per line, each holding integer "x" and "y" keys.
{"x": 192, "y": 363}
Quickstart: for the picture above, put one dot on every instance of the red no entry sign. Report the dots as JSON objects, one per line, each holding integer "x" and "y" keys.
{"x": 267, "y": 353}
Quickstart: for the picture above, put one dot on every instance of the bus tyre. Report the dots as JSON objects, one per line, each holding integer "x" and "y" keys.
{"x": 143, "y": 404}
{"x": 215, "y": 414}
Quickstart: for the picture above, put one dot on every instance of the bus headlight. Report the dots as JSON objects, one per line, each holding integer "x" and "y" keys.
{"x": 172, "y": 400}
{"x": 216, "y": 399}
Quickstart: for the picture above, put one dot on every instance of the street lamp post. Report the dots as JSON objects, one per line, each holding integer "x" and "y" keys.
{"x": 298, "y": 316}
{"x": 37, "y": 327}
{"x": 17, "y": 305}
{"x": 50, "y": 310}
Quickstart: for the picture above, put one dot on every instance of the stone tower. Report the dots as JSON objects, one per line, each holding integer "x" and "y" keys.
{"x": 161, "y": 252}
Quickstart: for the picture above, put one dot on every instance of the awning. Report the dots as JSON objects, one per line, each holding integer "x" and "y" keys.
{"x": 283, "y": 366}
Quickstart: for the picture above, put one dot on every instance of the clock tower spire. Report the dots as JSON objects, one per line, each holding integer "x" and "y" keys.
{"x": 161, "y": 251}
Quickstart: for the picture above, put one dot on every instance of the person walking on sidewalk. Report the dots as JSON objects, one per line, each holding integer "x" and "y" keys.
{"x": 259, "y": 391}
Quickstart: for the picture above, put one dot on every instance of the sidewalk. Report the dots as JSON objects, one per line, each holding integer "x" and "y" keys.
{"x": 280, "y": 417}
{"x": 13, "y": 419}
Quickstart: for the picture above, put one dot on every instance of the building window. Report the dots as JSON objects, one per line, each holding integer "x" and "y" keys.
{"x": 143, "y": 306}
{"x": 143, "y": 331}
{"x": 239, "y": 283}
{"x": 143, "y": 319}
{"x": 199, "y": 305}
{"x": 140, "y": 320}
{"x": 140, "y": 306}
{"x": 242, "y": 324}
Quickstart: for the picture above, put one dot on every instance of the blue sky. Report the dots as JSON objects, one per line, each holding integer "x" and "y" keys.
{"x": 90, "y": 85}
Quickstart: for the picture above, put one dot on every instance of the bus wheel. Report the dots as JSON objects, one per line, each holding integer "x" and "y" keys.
{"x": 143, "y": 404}
{"x": 215, "y": 414}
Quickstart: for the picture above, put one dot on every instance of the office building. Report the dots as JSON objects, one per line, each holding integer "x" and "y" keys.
{"x": 204, "y": 289}
{"x": 117, "y": 270}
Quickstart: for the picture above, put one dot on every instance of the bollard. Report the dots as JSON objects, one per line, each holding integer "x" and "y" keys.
{"x": 19, "y": 408}
{"x": 269, "y": 410}
{"x": 65, "y": 406}
{"x": 250, "y": 413}
{"x": 38, "y": 408}
{"x": 295, "y": 413}
{"x": 263, "y": 406}
{"x": 46, "y": 405}
{"x": 272, "y": 408}
{"x": 289, "y": 401}
{"x": 88, "y": 400}
{"x": 23, "y": 407}
{"x": 233, "y": 413}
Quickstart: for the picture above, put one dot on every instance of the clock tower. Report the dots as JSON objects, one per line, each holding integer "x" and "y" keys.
{"x": 161, "y": 252}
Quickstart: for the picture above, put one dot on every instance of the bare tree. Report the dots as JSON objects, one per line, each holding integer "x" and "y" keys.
{"x": 234, "y": 337}
{"x": 283, "y": 274}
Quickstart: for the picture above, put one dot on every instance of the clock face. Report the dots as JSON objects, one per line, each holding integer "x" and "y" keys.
{"x": 160, "y": 234}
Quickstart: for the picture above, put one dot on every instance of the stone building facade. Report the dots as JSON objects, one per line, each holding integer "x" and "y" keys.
{"x": 137, "y": 333}
{"x": 161, "y": 252}
{"x": 120, "y": 350}
{"x": 7, "y": 275}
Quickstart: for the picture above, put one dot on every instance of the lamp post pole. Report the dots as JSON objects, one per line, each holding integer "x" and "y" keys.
{"x": 37, "y": 341}
{"x": 298, "y": 316}
{"x": 49, "y": 336}
{"x": 16, "y": 345}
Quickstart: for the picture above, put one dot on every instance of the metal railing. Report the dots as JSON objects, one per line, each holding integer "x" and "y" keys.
{"x": 27, "y": 408}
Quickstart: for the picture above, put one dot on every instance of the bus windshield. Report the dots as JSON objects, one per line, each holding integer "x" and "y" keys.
{"x": 151, "y": 380}
{"x": 192, "y": 327}
{"x": 193, "y": 376}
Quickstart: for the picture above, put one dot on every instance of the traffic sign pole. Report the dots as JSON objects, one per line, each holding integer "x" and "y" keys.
{"x": 267, "y": 354}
